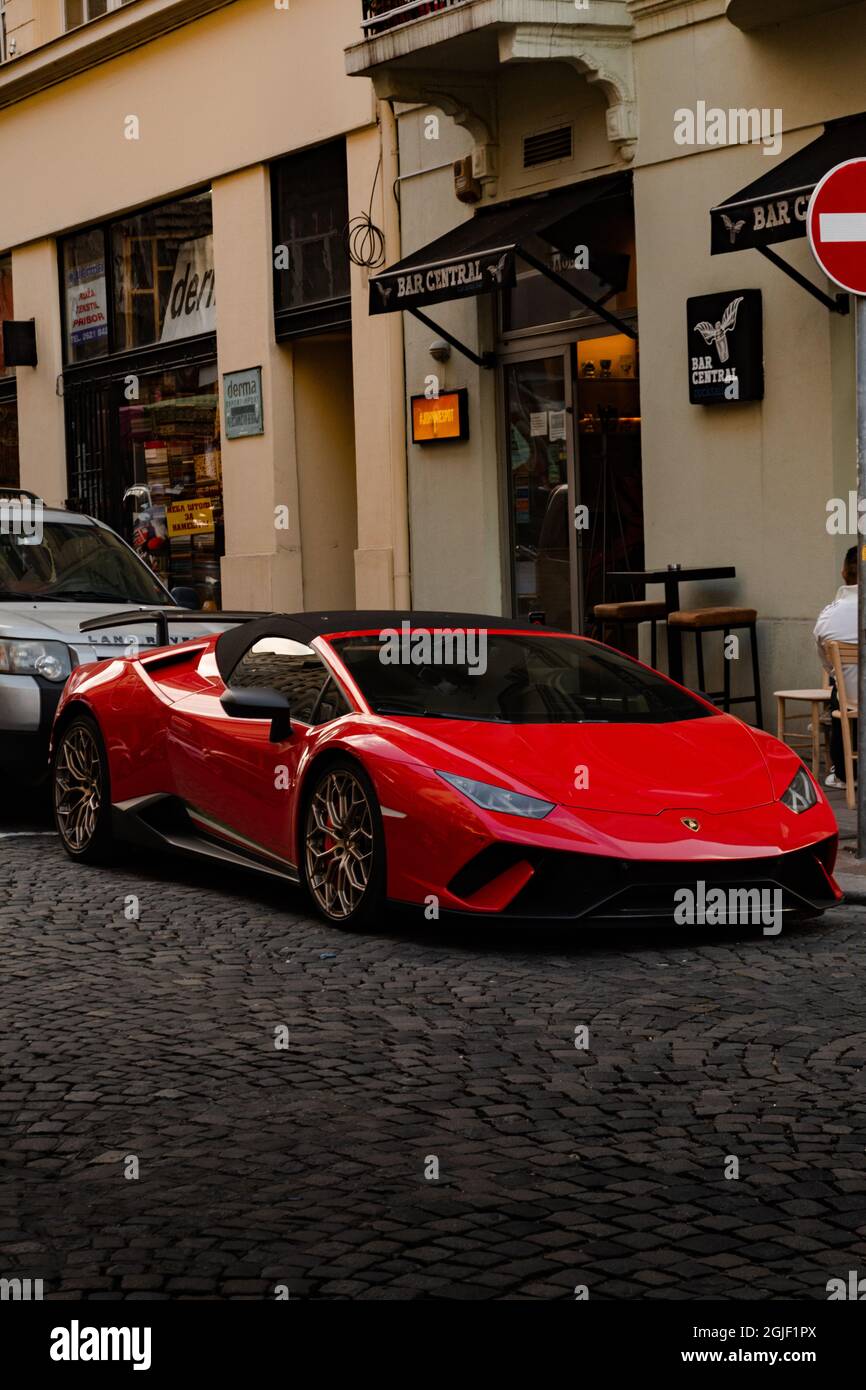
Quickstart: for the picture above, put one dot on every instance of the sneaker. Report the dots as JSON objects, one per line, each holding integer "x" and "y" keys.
{"x": 833, "y": 781}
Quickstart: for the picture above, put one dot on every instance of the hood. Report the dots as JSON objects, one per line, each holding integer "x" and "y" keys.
{"x": 711, "y": 764}
{"x": 61, "y": 622}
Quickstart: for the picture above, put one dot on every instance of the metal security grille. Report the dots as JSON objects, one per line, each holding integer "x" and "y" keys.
{"x": 93, "y": 484}
{"x": 547, "y": 146}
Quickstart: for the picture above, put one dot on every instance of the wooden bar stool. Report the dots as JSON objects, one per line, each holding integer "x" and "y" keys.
{"x": 702, "y": 620}
{"x": 619, "y": 616}
{"x": 818, "y": 701}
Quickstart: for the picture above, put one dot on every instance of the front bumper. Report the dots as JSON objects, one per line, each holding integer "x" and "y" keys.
{"x": 27, "y": 708}
{"x": 569, "y": 887}
{"x": 604, "y": 865}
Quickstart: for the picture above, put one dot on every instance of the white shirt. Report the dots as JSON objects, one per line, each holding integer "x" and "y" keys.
{"x": 838, "y": 623}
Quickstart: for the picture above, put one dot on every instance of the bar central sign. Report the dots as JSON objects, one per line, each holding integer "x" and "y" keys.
{"x": 725, "y": 347}
{"x": 411, "y": 287}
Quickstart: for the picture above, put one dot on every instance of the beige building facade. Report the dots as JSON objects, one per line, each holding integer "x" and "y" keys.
{"x": 489, "y": 408}
{"x": 586, "y": 456}
{"x": 177, "y": 181}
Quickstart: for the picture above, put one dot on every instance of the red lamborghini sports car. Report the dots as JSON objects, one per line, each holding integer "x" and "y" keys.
{"x": 473, "y": 762}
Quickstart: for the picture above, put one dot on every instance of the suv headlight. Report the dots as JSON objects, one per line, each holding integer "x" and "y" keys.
{"x": 801, "y": 794}
{"x": 499, "y": 798}
{"x": 51, "y": 660}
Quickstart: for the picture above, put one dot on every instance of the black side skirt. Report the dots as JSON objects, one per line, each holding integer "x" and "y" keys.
{"x": 159, "y": 823}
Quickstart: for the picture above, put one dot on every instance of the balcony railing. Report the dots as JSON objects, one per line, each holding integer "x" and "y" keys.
{"x": 380, "y": 15}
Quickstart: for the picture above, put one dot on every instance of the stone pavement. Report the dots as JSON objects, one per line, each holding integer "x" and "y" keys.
{"x": 850, "y": 871}
{"x": 159, "y": 1145}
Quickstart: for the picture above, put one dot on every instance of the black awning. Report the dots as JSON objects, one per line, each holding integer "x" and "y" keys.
{"x": 479, "y": 255}
{"x": 774, "y": 207}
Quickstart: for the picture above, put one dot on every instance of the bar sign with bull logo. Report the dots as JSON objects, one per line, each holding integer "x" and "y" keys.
{"x": 725, "y": 347}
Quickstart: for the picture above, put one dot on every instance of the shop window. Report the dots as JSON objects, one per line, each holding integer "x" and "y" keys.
{"x": 163, "y": 274}
{"x": 169, "y": 446}
{"x": 86, "y": 295}
{"x": 310, "y": 204}
{"x": 146, "y": 279}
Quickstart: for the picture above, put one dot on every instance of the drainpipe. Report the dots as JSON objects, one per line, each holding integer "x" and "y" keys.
{"x": 396, "y": 364}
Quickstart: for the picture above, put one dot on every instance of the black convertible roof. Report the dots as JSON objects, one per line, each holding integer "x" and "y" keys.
{"x": 302, "y": 627}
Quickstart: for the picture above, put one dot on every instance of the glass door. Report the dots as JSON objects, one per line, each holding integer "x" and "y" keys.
{"x": 610, "y": 529}
{"x": 540, "y": 453}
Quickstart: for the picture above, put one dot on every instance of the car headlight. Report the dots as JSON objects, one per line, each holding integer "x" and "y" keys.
{"x": 48, "y": 659}
{"x": 499, "y": 798}
{"x": 801, "y": 794}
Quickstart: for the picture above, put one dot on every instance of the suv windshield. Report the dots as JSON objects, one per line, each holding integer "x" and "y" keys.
{"x": 511, "y": 678}
{"x": 75, "y": 563}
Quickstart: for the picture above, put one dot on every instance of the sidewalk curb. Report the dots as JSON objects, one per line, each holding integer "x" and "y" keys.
{"x": 854, "y": 888}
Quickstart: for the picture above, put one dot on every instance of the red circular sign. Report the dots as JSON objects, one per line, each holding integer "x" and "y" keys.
{"x": 836, "y": 224}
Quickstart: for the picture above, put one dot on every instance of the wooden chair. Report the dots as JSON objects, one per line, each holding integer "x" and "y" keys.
{"x": 818, "y": 701}
{"x": 844, "y": 654}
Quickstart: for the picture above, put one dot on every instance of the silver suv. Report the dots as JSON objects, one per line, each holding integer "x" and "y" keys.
{"x": 53, "y": 577}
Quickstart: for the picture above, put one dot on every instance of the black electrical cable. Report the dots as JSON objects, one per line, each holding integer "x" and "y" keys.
{"x": 364, "y": 241}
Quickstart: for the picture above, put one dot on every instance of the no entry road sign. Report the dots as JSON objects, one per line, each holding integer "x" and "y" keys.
{"x": 836, "y": 224}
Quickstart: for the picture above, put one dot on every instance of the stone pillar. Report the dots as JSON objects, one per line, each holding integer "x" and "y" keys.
{"x": 41, "y": 430}
{"x": 261, "y": 569}
{"x": 382, "y": 577}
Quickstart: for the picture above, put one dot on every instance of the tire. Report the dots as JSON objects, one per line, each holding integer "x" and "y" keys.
{"x": 81, "y": 792}
{"x": 347, "y": 889}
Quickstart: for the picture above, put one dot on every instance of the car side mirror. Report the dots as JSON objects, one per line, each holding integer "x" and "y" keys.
{"x": 185, "y": 597}
{"x": 256, "y": 702}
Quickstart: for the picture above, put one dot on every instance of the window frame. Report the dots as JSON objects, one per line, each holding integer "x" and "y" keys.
{"x": 111, "y": 5}
{"x": 104, "y": 227}
{"x": 317, "y": 316}
{"x": 330, "y": 678}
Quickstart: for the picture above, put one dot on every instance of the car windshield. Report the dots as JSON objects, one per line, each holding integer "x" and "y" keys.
{"x": 74, "y": 563}
{"x": 509, "y": 677}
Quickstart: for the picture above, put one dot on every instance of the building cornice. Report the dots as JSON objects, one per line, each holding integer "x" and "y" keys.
{"x": 97, "y": 42}
{"x": 651, "y": 17}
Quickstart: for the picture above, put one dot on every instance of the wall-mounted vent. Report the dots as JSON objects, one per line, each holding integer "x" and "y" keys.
{"x": 547, "y": 146}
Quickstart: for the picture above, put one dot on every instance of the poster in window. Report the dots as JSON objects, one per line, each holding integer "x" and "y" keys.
{"x": 86, "y": 304}
{"x": 191, "y": 306}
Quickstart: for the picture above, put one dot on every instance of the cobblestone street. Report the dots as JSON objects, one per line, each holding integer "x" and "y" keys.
{"x": 307, "y": 1167}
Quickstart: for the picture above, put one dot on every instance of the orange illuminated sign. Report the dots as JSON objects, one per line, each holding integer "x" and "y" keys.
{"x": 441, "y": 417}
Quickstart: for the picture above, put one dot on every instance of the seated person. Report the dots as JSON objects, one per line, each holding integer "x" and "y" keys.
{"x": 838, "y": 623}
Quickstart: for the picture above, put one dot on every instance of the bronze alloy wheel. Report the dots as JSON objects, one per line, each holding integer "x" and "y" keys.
{"x": 339, "y": 844}
{"x": 78, "y": 785}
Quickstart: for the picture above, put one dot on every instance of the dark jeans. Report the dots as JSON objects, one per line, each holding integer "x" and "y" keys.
{"x": 837, "y": 749}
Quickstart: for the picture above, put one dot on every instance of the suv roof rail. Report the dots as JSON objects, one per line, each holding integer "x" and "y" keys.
{"x": 19, "y": 492}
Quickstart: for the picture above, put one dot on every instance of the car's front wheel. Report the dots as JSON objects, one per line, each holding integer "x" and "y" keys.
{"x": 80, "y": 790}
{"x": 344, "y": 846}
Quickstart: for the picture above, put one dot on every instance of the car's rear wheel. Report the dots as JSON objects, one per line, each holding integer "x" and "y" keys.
{"x": 344, "y": 846}
{"x": 81, "y": 795}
